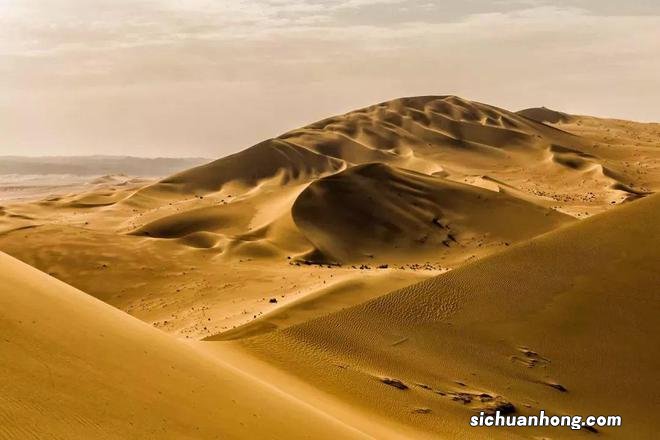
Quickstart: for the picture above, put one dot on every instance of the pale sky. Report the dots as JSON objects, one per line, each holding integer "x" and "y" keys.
{"x": 206, "y": 78}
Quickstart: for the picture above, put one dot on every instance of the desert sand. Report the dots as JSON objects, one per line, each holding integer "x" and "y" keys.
{"x": 562, "y": 323}
{"x": 79, "y": 368}
{"x": 383, "y": 273}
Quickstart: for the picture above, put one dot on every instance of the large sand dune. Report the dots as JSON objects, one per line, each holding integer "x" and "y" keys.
{"x": 444, "y": 135}
{"x": 390, "y": 215}
{"x": 561, "y": 323}
{"x": 420, "y": 184}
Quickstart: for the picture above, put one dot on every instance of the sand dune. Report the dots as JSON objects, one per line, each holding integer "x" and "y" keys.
{"x": 439, "y": 136}
{"x": 386, "y": 214}
{"x": 274, "y": 158}
{"x": 249, "y": 222}
{"x": 525, "y": 260}
{"x": 80, "y": 369}
{"x": 446, "y": 136}
{"x": 574, "y": 309}
{"x": 257, "y": 224}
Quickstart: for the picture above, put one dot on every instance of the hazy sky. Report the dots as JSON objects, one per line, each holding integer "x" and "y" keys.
{"x": 195, "y": 77}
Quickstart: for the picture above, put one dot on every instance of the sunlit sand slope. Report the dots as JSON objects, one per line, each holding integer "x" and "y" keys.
{"x": 75, "y": 368}
{"x": 565, "y": 322}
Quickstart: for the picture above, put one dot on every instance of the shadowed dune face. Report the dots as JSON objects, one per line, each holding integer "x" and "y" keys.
{"x": 395, "y": 215}
{"x": 571, "y": 310}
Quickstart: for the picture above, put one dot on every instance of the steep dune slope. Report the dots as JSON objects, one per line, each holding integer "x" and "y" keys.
{"x": 79, "y": 369}
{"x": 560, "y": 323}
{"x": 386, "y": 214}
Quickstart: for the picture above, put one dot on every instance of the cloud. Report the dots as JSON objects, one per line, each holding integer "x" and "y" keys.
{"x": 295, "y": 60}
{"x": 198, "y": 40}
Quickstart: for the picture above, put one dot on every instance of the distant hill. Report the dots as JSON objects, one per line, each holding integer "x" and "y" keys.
{"x": 543, "y": 114}
{"x": 96, "y": 165}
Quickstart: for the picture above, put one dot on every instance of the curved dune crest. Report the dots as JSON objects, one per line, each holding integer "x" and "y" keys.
{"x": 80, "y": 369}
{"x": 273, "y": 158}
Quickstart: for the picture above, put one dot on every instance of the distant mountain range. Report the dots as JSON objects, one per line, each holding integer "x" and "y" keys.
{"x": 96, "y": 165}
